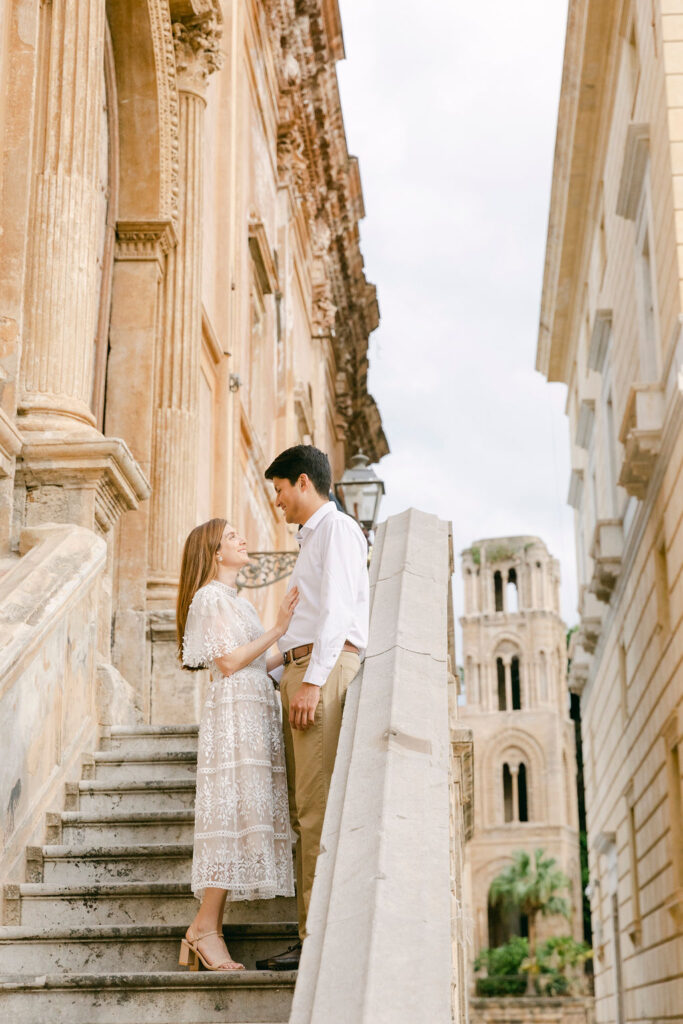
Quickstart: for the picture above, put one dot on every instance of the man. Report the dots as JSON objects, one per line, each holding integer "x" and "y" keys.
{"x": 322, "y": 650}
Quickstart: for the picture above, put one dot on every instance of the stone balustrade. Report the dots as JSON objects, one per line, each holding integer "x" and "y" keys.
{"x": 56, "y": 685}
{"x": 383, "y": 906}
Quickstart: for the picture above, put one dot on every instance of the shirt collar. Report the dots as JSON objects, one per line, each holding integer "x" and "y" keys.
{"x": 315, "y": 519}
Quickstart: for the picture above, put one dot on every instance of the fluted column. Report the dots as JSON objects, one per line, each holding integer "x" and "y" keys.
{"x": 68, "y": 211}
{"x": 176, "y": 420}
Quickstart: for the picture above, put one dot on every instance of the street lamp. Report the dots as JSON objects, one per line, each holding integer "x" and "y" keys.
{"x": 360, "y": 491}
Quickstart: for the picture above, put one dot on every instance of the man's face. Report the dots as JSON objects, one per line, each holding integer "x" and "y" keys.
{"x": 288, "y": 497}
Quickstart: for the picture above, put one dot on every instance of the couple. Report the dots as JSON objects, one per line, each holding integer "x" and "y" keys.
{"x": 244, "y": 805}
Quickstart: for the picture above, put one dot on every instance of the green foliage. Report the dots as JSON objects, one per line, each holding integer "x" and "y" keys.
{"x": 476, "y": 555}
{"x": 505, "y": 959}
{"x": 510, "y": 985}
{"x": 555, "y": 968}
{"x": 531, "y": 884}
{"x": 499, "y": 553}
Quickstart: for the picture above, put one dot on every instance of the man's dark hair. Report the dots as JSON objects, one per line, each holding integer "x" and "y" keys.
{"x": 303, "y": 458}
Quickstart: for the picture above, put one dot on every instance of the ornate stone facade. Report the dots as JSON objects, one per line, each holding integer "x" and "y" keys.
{"x": 182, "y": 296}
{"x": 610, "y": 329}
{"x": 514, "y": 654}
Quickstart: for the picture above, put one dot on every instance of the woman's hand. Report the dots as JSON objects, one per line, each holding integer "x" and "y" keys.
{"x": 286, "y": 610}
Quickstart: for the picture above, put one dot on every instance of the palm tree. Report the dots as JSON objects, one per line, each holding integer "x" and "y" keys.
{"x": 531, "y": 885}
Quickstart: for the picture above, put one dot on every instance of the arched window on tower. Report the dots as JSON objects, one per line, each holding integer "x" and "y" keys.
{"x": 515, "y": 792}
{"x": 500, "y": 670}
{"x": 512, "y": 592}
{"x": 507, "y": 792}
{"x": 516, "y": 685}
{"x": 498, "y": 591}
{"x": 522, "y": 795}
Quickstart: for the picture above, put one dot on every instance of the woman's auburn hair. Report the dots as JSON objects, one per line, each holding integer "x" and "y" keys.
{"x": 198, "y": 567}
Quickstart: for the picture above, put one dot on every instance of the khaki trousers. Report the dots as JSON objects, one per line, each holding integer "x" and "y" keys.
{"x": 310, "y": 755}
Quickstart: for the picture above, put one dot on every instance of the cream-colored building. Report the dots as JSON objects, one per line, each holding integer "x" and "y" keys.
{"x": 182, "y": 296}
{"x": 611, "y": 330}
{"x": 514, "y": 655}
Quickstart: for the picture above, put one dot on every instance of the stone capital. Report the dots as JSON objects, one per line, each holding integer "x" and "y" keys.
{"x": 146, "y": 240}
{"x": 197, "y": 51}
{"x": 88, "y": 481}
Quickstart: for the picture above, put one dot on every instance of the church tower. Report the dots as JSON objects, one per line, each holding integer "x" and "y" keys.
{"x": 517, "y": 705}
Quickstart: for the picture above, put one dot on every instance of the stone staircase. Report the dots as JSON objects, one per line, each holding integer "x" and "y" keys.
{"x": 93, "y": 935}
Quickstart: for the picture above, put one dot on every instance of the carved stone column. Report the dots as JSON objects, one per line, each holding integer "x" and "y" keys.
{"x": 175, "y": 432}
{"x": 508, "y": 684}
{"x": 68, "y": 212}
{"x": 66, "y": 471}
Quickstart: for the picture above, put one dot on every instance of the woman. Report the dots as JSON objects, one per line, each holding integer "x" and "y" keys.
{"x": 242, "y": 841}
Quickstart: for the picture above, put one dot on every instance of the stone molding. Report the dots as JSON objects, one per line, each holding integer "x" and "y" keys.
{"x": 167, "y": 98}
{"x": 146, "y": 240}
{"x": 262, "y": 255}
{"x": 325, "y": 182}
{"x": 10, "y": 444}
{"x": 103, "y": 464}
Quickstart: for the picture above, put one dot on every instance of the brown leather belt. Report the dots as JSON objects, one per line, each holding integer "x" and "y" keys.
{"x": 300, "y": 652}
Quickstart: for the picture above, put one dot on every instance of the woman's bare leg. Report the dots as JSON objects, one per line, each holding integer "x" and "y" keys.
{"x": 209, "y": 918}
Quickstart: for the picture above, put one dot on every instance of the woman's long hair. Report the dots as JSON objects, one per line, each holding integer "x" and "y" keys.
{"x": 198, "y": 567}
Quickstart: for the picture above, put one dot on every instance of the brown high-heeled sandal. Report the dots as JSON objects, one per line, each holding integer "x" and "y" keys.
{"x": 190, "y": 955}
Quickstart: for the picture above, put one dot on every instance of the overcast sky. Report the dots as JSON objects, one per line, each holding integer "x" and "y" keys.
{"x": 451, "y": 108}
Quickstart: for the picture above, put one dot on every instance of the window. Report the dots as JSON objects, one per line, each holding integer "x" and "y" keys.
{"x": 662, "y": 587}
{"x": 623, "y": 682}
{"x": 648, "y": 333}
{"x": 512, "y": 592}
{"x": 521, "y": 784}
{"x": 516, "y": 686}
{"x": 500, "y": 670}
{"x": 507, "y": 793}
{"x": 504, "y": 923}
{"x": 635, "y": 928}
{"x": 611, "y": 452}
{"x": 675, "y": 795}
{"x": 515, "y": 796}
{"x": 498, "y": 591}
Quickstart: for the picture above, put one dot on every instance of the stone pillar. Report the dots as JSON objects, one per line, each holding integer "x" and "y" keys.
{"x": 66, "y": 471}
{"x": 514, "y": 772}
{"x": 175, "y": 430}
{"x": 66, "y": 223}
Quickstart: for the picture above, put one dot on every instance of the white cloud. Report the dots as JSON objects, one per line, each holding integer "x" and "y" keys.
{"x": 452, "y": 109}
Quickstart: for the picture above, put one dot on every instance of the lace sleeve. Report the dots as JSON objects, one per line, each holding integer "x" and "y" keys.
{"x": 212, "y": 629}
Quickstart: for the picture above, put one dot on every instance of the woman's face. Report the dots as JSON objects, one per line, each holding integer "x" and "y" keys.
{"x": 232, "y": 549}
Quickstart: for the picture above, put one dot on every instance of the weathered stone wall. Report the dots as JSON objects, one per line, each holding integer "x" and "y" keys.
{"x": 610, "y": 329}
{"x": 54, "y": 695}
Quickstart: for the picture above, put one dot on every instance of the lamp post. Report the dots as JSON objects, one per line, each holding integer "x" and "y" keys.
{"x": 360, "y": 491}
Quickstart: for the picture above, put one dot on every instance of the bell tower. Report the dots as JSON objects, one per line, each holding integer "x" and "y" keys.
{"x": 517, "y": 705}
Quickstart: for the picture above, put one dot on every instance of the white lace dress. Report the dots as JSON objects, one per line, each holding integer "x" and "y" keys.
{"x": 242, "y": 840}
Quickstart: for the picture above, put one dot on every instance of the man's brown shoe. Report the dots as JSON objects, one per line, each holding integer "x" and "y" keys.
{"x": 287, "y": 961}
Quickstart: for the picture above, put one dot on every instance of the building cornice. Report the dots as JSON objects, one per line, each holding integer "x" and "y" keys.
{"x": 587, "y": 71}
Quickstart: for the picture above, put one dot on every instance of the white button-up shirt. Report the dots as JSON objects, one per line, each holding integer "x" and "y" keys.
{"x": 332, "y": 576}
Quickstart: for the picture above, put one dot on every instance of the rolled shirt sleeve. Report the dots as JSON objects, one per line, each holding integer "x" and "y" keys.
{"x": 345, "y": 559}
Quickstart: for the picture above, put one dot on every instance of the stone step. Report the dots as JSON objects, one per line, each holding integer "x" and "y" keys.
{"x": 141, "y": 765}
{"x": 145, "y": 737}
{"x": 126, "y": 828}
{"x": 79, "y": 865}
{"x": 172, "y": 997}
{"x": 42, "y": 905}
{"x": 164, "y": 795}
{"x": 105, "y": 950}
{"x": 91, "y": 796}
